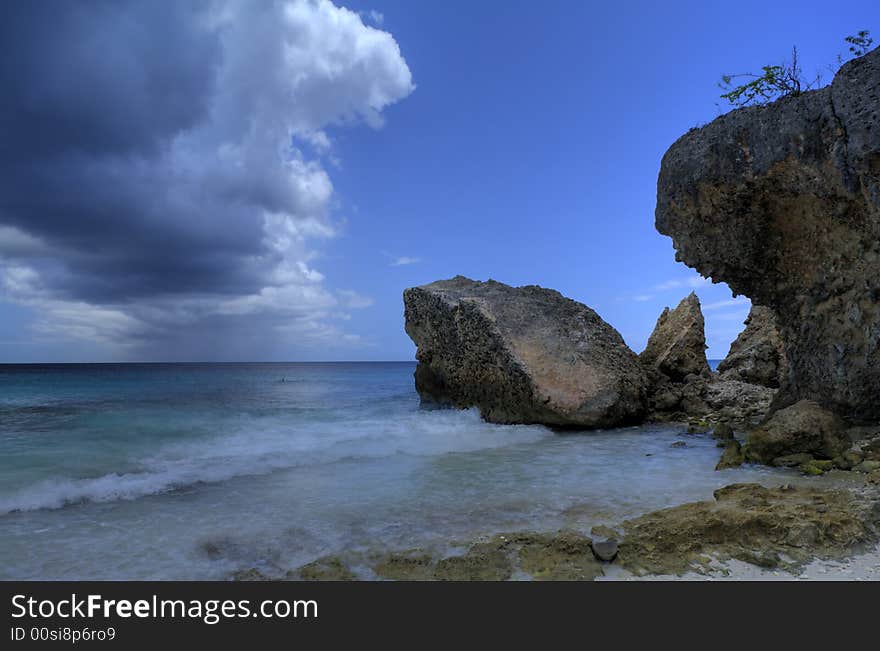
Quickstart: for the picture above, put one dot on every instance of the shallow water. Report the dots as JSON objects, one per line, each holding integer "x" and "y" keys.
{"x": 193, "y": 471}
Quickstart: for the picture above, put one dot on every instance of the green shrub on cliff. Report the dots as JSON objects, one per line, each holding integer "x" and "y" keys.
{"x": 786, "y": 79}
{"x": 860, "y": 44}
{"x": 775, "y": 81}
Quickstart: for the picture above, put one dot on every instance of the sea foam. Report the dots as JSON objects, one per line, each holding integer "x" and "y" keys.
{"x": 256, "y": 447}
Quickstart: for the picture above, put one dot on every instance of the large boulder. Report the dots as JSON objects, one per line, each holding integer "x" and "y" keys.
{"x": 521, "y": 355}
{"x": 757, "y": 356}
{"x": 677, "y": 347}
{"x": 782, "y": 202}
{"x": 803, "y": 428}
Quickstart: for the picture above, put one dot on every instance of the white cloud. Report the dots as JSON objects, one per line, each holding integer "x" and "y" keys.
{"x": 694, "y": 282}
{"x": 375, "y": 17}
{"x": 351, "y": 299}
{"x": 738, "y": 302}
{"x": 724, "y": 319}
{"x": 404, "y": 260}
{"x": 110, "y": 327}
{"x": 737, "y": 315}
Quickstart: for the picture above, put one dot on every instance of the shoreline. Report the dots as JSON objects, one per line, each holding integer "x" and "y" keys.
{"x": 750, "y": 532}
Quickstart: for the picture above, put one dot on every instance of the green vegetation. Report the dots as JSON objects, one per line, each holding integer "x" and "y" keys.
{"x": 783, "y": 80}
{"x": 860, "y": 44}
{"x": 773, "y": 82}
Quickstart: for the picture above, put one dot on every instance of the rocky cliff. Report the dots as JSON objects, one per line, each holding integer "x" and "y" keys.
{"x": 782, "y": 202}
{"x": 521, "y": 355}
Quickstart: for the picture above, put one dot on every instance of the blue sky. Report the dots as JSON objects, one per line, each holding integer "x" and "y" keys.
{"x": 525, "y": 148}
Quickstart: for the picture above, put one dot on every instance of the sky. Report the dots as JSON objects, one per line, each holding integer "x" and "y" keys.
{"x": 259, "y": 181}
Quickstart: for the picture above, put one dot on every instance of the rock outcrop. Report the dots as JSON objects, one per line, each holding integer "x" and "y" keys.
{"x": 732, "y": 457}
{"x": 675, "y": 360}
{"x": 681, "y": 384}
{"x": 757, "y": 356}
{"x": 782, "y": 202}
{"x": 781, "y": 528}
{"x": 803, "y": 428}
{"x": 677, "y": 346}
{"x": 521, "y": 355}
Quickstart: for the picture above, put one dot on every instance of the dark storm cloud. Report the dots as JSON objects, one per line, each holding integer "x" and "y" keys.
{"x": 148, "y": 162}
{"x": 126, "y": 229}
{"x": 102, "y": 76}
{"x": 93, "y": 94}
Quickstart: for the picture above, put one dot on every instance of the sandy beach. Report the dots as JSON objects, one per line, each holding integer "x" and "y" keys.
{"x": 861, "y": 567}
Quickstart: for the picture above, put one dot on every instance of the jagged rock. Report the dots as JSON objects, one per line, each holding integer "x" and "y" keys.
{"x": 804, "y": 427}
{"x": 732, "y": 457}
{"x": 782, "y": 202}
{"x": 723, "y": 432}
{"x": 521, "y": 355}
{"x": 681, "y": 383}
{"x": 665, "y": 397}
{"x": 757, "y": 355}
{"x": 733, "y": 402}
{"x": 693, "y": 396}
{"x": 677, "y": 346}
{"x": 671, "y": 400}
{"x": 738, "y": 403}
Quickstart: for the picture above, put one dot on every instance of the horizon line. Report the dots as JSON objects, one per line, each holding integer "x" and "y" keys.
{"x": 350, "y": 361}
{"x": 375, "y": 361}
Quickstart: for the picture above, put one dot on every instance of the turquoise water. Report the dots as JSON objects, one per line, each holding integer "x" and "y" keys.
{"x": 190, "y": 471}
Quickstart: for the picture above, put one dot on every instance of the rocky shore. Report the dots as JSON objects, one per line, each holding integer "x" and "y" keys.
{"x": 782, "y": 529}
{"x": 782, "y": 202}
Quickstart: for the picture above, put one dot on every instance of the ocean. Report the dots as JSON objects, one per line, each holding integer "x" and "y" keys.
{"x": 194, "y": 471}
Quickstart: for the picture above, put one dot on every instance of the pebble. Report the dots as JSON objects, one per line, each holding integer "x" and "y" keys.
{"x": 605, "y": 550}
